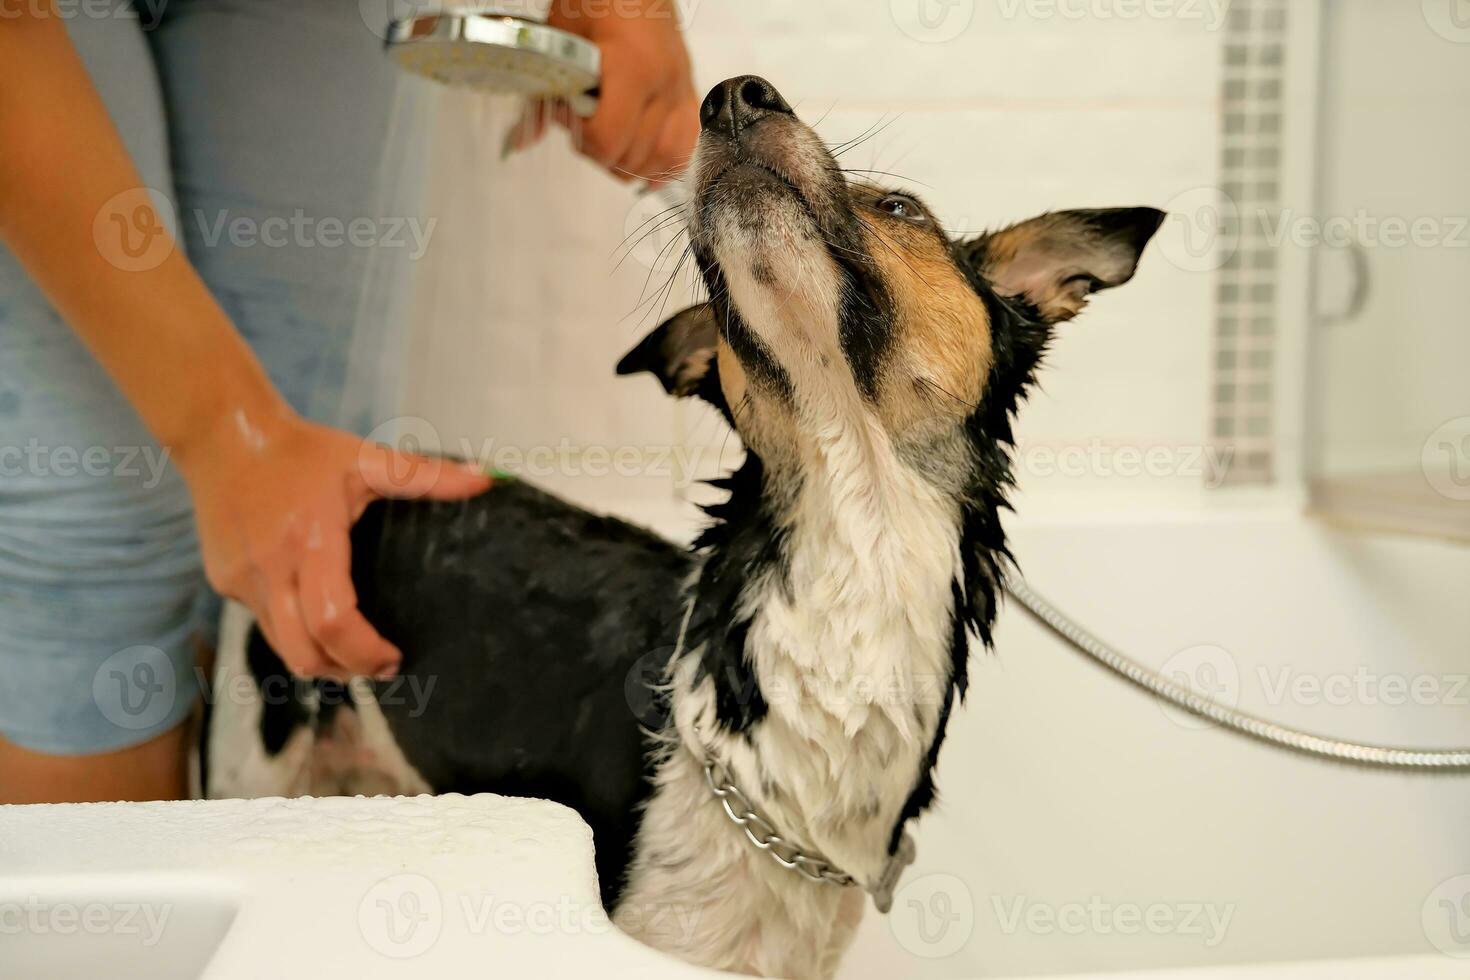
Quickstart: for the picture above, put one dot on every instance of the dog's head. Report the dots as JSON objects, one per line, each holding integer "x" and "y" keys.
{"x": 832, "y": 297}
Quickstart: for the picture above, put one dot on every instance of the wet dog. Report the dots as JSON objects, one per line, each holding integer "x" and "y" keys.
{"x": 751, "y": 726}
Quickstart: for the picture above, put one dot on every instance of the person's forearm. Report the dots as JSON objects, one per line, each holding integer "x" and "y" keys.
{"x": 68, "y": 195}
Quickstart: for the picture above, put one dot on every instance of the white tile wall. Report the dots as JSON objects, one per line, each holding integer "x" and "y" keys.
{"x": 523, "y": 310}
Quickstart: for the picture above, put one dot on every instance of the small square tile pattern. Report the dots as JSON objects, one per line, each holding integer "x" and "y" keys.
{"x": 1245, "y": 319}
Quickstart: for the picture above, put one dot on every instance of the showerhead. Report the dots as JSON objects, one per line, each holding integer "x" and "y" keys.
{"x": 503, "y": 54}
{"x": 499, "y": 53}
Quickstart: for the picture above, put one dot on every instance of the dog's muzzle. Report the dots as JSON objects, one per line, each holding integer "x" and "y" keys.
{"x": 735, "y": 105}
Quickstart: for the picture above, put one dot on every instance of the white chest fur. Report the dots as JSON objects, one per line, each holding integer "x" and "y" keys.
{"x": 850, "y": 643}
{"x": 852, "y": 651}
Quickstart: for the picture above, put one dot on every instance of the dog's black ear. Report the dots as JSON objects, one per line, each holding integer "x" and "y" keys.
{"x": 1057, "y": 260}
{"x": 679, "y": 352}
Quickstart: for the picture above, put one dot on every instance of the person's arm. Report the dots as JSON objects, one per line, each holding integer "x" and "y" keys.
{"x": 274, "y": 496}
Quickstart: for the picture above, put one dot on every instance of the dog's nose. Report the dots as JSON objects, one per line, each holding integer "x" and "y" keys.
{"x": 739, "y": 102}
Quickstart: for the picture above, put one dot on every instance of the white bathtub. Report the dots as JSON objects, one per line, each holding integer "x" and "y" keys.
{"x": 438, "y": 888}
{"x": 1073, "y": 807}
{"x": 1081, "y": 829}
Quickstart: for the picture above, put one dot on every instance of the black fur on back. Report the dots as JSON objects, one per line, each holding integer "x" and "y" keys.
{"x": 534, "y": 635}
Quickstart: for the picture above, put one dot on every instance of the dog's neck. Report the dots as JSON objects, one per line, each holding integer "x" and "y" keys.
{"x": 818, "y": 663}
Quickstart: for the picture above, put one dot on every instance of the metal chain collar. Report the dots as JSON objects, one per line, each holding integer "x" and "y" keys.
{"x": 762, "y": 833}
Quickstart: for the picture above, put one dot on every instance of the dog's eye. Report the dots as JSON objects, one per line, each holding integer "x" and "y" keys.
{"x": 901, "y": 206}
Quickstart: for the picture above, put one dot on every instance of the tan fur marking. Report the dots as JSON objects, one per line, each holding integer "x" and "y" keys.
{"x": 941, "y": 348}
{"x": 766, "y": 425}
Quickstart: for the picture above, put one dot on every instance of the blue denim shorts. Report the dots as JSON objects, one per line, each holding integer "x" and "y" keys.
{"x": 291, "y": 152}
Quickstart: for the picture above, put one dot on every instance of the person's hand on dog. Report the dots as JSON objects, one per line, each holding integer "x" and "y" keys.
{"x": 275, "y": 503}
{"x": 647, "y": 117}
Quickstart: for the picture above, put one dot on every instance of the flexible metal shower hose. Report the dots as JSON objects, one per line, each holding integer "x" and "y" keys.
{"x": 1421, "y": 760}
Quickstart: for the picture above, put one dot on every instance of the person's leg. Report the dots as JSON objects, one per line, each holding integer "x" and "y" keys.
{"x": 298, "y": 151}
{"x": 155, "y": 770}
{"x": 99, "y": 574}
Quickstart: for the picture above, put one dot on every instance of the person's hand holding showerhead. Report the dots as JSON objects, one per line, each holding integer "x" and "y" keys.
{"x": 647, "y": 117}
